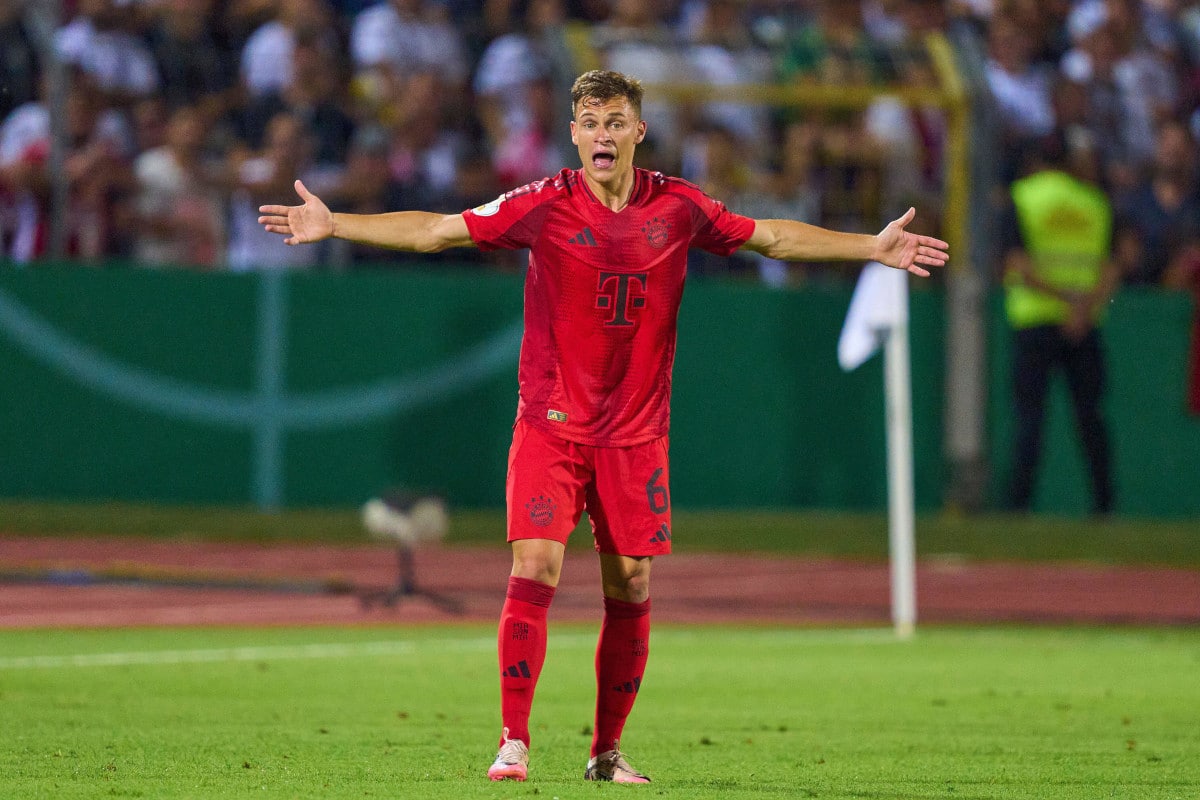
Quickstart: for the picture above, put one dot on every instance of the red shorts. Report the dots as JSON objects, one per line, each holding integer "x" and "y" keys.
{"x": 552, "y": 481}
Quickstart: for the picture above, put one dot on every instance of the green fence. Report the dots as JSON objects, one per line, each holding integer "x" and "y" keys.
{"x": 1156, "y": 443}
{"x": 321, "y": 390}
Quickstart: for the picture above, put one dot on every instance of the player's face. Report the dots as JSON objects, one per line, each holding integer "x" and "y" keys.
{"x": 606, "y": 133}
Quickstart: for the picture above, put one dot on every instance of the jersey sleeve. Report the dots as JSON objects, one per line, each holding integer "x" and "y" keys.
{"x": 717, "y": 229}
{"x": 511, "y": 221}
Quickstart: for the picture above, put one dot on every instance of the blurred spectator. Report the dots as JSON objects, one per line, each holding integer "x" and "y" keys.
{"x": 99, "y": 146}
{"x": 723, "y": 53}
{"x": 715, "y": 159}
{"x": 532, "y": 152}
{"x": 477, "y": 184}
{"x": 424, "y": 151}
{"x": 1131, "y": 86}
{"x": 1044, "y": 24}
{"x": 267, "y": 59}
{"x": 149, "y": 124}
{"x": 422, "y": 163}
{"x": 787, "y": 190}
{"x": 100, "y": 42}
{"x": 365, "y": 186}
{"x": 909, "y": 144}
{"x": 1056, "y": 32}
{"x": 193, "y": 65}
{"x": 314, "y": 94}
{"x": 883, "y": 20}
{"x": 1090, "y": 63}
{"x": 1188, "y": 18}
{"x": 177, "y": 212}
{"x": 831, "y": 47}
{"x": 974, "y": 14}
{"x": 636, "y": 40}
{"x": 1021, "y": 88}
{"x": 850, "y": 171}
{"x": 240, "y": 18}
{"x": 19, "y": 59}
{"x": 368, "y": 188}
{"x": 1145, "y": 73}
{"x": 1059, "y": 276}
{"x": 519, "y": 63}
{"x": 265, "y": 176}
{"x": 919, "y": 18}
{"x": 395, "y": 39}
{"x": 1073, "y": 116}
{"x": 1159, "y": 231}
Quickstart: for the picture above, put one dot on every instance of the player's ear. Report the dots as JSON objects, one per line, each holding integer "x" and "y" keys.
{"x": 573, "y": 139}
{"x": 641, "y": 131}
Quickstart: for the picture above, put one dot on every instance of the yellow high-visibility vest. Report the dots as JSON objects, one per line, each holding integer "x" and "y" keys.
{"x": 1066, "y": 226}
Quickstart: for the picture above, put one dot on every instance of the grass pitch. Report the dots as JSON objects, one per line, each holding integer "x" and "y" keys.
{"x": 724, "y": 713}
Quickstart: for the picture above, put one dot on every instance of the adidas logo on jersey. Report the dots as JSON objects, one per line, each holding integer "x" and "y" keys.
{"x": 584, "y": 237}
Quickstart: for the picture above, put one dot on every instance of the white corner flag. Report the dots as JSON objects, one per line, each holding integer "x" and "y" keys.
{"x": 878, "y": 314}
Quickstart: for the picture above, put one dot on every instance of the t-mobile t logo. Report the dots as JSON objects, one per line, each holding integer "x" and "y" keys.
{"x": 615, "y": 294}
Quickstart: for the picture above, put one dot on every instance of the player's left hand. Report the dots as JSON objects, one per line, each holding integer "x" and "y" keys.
{"x": 898, "y": 248}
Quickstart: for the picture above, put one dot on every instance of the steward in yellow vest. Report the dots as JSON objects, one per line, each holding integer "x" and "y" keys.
{"x": 1066, "y": 230}
{"x": 1058, "y": 280}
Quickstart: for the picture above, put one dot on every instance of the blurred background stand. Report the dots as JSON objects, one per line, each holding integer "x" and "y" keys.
{"x": 408, "y": 520}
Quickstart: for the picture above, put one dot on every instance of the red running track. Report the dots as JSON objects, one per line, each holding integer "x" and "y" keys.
{"x": 687, "y": 588}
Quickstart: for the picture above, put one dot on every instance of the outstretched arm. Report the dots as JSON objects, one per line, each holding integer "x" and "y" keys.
{"x": 788, "y": 240}
{"x": 416, "y": 231}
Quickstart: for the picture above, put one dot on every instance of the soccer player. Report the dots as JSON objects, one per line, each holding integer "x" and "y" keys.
{"x": 608, "y": 255}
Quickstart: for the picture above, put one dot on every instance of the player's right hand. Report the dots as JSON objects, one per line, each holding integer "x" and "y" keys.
{"x": 310, "y": 222}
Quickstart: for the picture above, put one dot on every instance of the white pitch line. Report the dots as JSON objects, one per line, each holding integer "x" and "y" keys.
{"x": 220, "y": 654}
{"x": 805, "y": 636}
{"x": 266, "y": 653}
{"x": 404, "y": 648}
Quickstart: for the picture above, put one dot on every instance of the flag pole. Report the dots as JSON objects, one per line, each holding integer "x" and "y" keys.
{"x": 901, "y": 538}
{"x": 878, "y": 314}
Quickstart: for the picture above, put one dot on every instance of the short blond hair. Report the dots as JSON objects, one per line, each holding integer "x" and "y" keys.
{"x": 603, "y": 85}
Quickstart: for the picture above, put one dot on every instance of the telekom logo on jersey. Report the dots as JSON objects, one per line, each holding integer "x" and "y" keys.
{"x": 614, "y": 292}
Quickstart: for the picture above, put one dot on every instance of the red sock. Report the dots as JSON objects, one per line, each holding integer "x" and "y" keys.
{"x": 522, "y": 646}
{"x": 621, "y": 657}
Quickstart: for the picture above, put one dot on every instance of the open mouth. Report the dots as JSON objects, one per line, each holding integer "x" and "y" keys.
{"x": 603, "y": 160}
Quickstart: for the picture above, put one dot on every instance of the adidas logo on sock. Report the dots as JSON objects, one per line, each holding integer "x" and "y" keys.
{"x": 629, "y": 687}
{"x": 663, "y": 534}
{"x": 584, "y": 237}
{"x": 518, "y": 670}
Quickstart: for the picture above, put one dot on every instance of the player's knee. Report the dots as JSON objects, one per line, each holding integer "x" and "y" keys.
{"x": 537, "y": 567}
{"x": 632, "y": 588}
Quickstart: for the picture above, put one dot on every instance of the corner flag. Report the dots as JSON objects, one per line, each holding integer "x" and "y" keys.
{"x": 878, "y": 314}
{"x": 879, "y": 304}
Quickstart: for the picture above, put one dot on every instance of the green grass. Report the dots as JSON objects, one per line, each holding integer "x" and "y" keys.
{"x": 724, "y": 713}
{"x": 1026, "y": 538}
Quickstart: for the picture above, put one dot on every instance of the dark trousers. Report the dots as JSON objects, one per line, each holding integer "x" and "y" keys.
{"x": 1037, "y": 353}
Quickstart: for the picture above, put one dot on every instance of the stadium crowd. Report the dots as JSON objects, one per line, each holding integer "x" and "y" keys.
{"x": 183, "y": 116}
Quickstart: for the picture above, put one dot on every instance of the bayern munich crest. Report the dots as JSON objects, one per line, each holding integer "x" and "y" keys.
{"x": 657, "y": 231}
{"x": 541, "y": 510}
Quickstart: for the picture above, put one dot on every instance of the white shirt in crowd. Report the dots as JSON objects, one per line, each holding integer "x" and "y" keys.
{"x": 382, "y": 38}
{"x": 117, "y": 61}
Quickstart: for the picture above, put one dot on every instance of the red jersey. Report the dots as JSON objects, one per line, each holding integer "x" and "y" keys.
{"x": 602, "y": 297}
